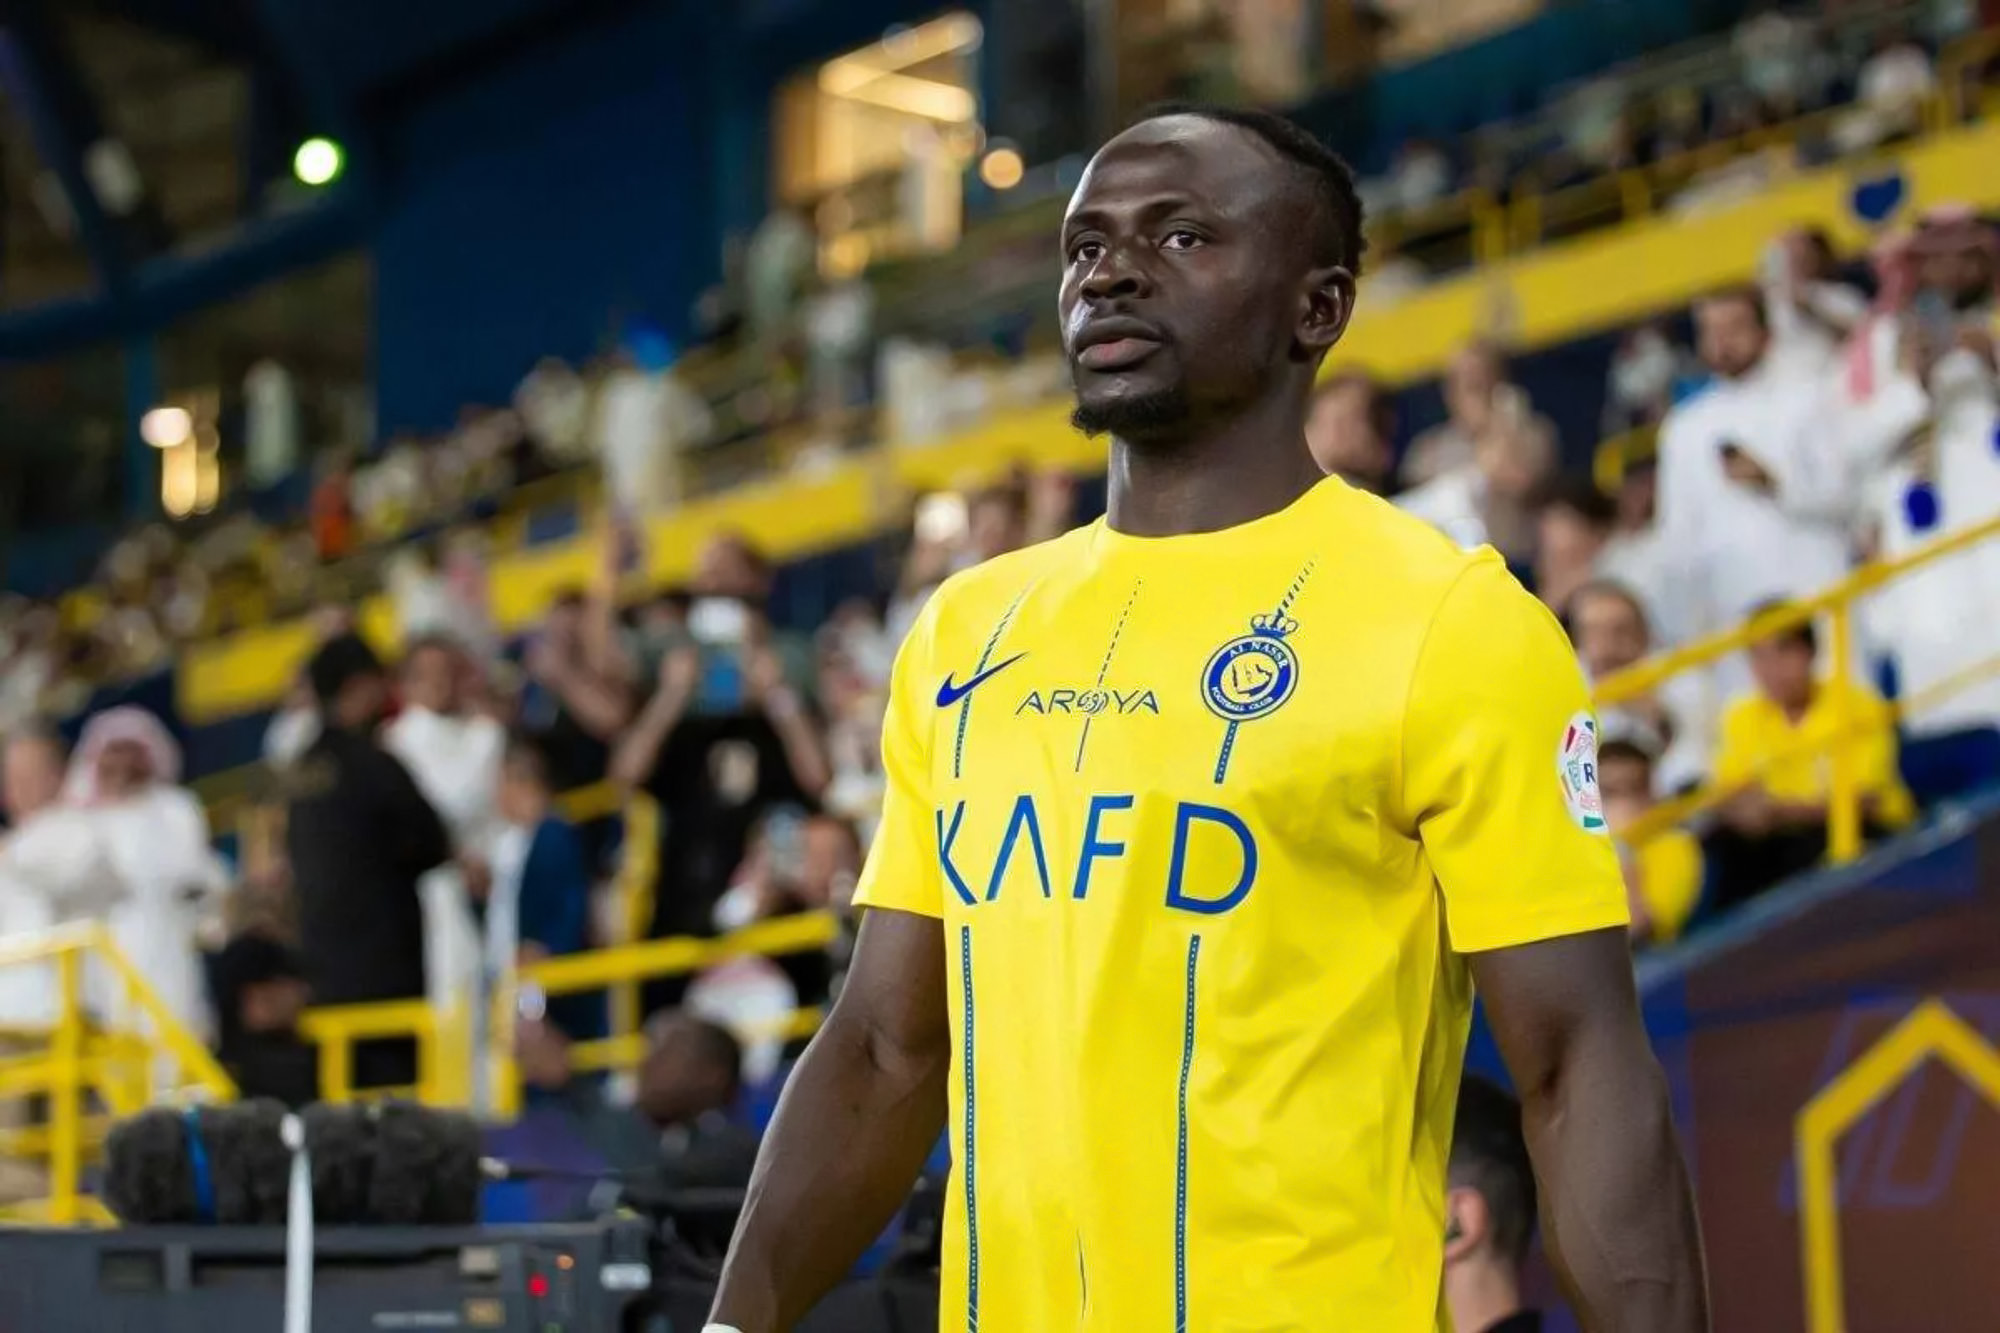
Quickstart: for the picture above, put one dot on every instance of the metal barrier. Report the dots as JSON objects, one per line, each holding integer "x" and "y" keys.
{"x": 1844, "y": 839}
{"x": 603, "y": 969}
{"x": 85, "y": 1070}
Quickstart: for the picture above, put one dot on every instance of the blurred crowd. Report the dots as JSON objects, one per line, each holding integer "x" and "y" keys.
{"x": 1822, "y": 417}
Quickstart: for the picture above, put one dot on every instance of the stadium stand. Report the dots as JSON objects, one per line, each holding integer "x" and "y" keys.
{"x": 1690, "y": 315}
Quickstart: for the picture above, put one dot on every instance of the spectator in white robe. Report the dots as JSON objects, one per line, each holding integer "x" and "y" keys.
{"x": 53, "y": 868}
{"x": 1755, "y": 502}
{"x": 126, "y": 775}
{"x": 454, "y": 755}
{"x": 1921, "y": 415}
{"x": 1812, "y": 311}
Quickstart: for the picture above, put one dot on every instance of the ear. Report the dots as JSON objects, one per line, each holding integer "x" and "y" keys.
{"x": 1467, "y": 1224}
{"x": 1326, "y": 303}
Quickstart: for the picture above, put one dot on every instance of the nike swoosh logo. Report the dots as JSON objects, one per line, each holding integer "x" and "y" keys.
{"x": 949, "y": 694}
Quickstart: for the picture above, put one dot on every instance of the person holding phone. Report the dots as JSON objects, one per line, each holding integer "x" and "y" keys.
{"x": 724, "y": 738}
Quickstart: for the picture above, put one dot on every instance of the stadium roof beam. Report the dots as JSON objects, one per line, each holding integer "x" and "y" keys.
{"x": 117, "y": 221}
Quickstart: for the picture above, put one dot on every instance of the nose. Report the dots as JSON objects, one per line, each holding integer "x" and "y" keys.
{"x": 1114, "y": 275}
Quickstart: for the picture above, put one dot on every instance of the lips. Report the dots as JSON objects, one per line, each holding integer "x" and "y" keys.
{"x": 1116, "y": 343}
{"x": 1117, "y": 354}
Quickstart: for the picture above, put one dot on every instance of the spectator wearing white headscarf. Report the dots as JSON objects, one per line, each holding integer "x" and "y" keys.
{"x": 126, "y": 774}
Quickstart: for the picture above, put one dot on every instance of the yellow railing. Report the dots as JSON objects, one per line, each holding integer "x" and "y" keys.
{"x": 1836, "y": 604}
{"x": 604, "y": 969}
{"x": 1527, "y": 220}
{"x": 445, "y": 1056}
{"x": 443, "y": 1048}
{"x": 72, "y": 1060}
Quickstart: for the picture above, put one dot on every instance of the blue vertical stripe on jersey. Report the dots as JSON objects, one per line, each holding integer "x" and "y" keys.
{"x": 965, "y": 1161}
{"x": 1229, "y": 732}
{"x": 1104, "y": 668}
{"x": 1181, "y": 1152}
{"x": 985, "y": 657}
{"x": 1228, "y": 745}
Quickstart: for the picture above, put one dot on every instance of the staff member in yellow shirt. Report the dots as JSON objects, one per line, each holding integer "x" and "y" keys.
{"x": 1776, "y": 758}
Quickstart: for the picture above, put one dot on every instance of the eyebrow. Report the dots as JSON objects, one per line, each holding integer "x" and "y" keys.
{"x": 1152, "y": 209}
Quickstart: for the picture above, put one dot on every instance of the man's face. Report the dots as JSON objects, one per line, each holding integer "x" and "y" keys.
{"x": 1610, "y": 633}
{"x": 827, "y": 863}
{"x": 1729, "y": 336}
{"x": 1187, "y": 277}
{"x": 31, "y": 778}
{"x": 1567, "y": 540}
{"x": 362, "y": 701}
{"x": 430, "y": 680}
{"x": 1963, "y": 275}
{"x": 1469, "y": 382}
{"x": 123, "y": 768}
{"x": 1342, "y": 436}
{"x": 678, "y": 1082}
{"x": 1783, "y": 668}
{"x": 1626, "y": 787}
{"x": 728, "y": 568}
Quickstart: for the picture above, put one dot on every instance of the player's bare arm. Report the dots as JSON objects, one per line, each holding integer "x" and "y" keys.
{"x": 857, "y": 1118}
{"x": 1617, "y": 1210}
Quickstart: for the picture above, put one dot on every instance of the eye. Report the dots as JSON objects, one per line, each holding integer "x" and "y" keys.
{"x": 1183, "y": 238}
{"x": 1085, "y": 251}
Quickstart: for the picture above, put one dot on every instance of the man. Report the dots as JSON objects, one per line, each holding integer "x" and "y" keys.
{"x": 1490, "y": 1214}
{"x": 723, "y": 739}
{"x": 573, "y": 708}
{"x": 359, "y": 835}
{"x": 54, "y": 866}
{"x": 1755, "y": 501}
{"x": 540, "y": 904}
{"x": 1573, "y": 523}
{"x": 677, "y": 1134}
{"x": 259, "y": 996}
{"x": 1608, "y": 625}
{"x": 1201, "y": 822}
{"x": 1663, "y": 874}
{"x": 452, "y": 752}
{"x": 1774, "y": 757}
{"x": 1351, "y": 430}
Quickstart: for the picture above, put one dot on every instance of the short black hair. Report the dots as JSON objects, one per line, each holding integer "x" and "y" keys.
{"x": 1802, "y": 635}
{"x": 1325, "y": 172}
{"x": 1615, "y": 591}
{"x": 1489, "y": 1156}
{"x": 1622, "y": 751}
{"x": 341, "y": 659}
{"x": 1579, "y": 495}
{"x": 1739, "y": 293}
{"x": 529, "y": 755}
{"x": 1381, "y": 403}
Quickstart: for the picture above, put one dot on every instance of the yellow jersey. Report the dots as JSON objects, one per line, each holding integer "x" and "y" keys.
{"x": 1208, "y": 820}
{"x": 1794, "y": 760}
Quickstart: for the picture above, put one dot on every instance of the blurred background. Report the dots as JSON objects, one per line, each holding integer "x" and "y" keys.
{"x": 605, "y": 384}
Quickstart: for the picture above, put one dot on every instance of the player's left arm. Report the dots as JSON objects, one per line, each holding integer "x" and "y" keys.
{"x": 1499, "y": 784}
{"x": 1617, "y": 1208}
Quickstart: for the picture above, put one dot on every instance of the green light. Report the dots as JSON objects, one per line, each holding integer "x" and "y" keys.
{"x": 318, "y": 161}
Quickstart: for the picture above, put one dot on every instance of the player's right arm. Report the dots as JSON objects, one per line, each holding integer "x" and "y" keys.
{"x": 867, "y": 1101}
{"x": 859, "y": 1115}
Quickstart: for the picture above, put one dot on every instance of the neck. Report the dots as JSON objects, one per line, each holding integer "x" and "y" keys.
{"x": 1480, "y": 1295}
{"x": 1214, "y": 477}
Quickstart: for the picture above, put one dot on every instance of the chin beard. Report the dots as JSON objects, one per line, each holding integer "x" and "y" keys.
{"x": 1163, "y": 411}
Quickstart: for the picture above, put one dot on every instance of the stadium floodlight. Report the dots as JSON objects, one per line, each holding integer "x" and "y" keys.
{"x": 318, "y": 161}
{"x": 166, "y": 427}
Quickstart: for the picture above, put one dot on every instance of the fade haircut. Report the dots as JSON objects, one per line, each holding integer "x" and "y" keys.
{"x": 1489, "y": 1156}
{"x": 1320, "y": 170}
